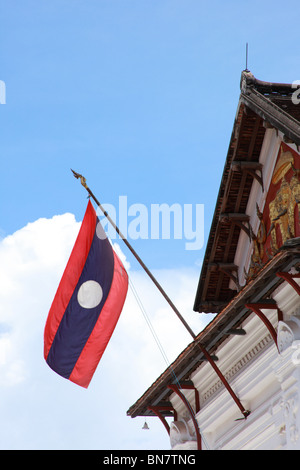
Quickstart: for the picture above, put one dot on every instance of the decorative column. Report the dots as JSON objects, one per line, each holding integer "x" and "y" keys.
{"x": 287, "y": 370}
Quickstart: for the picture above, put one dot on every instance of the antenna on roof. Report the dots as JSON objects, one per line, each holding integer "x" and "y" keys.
{"x": 246, "y": 70}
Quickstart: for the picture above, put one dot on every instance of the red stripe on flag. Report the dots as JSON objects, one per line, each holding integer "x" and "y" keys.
{"x": 70, "y": 276}
{"x": 103, "y": 330}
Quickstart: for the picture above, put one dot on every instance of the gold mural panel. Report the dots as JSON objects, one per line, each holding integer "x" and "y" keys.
{"x": 281, "y": 215}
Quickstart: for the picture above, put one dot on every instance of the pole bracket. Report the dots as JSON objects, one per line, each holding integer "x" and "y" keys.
{"x": 290, "y": 278}
{"x": 257, "y": 309}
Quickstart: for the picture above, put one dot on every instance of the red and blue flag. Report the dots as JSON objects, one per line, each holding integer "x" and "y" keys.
{"x": 87, "y": 304}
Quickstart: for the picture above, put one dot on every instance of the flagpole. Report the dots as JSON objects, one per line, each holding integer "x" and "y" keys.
{"x": 83, "y": 182}
{"x": 194, "y": 336}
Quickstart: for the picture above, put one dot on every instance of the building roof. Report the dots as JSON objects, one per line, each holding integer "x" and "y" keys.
{"x": 261, "y": 104}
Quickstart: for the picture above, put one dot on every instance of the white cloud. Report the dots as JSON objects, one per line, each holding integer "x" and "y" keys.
{"x": 32, "y": 260}
{"x": 39, "y": 409}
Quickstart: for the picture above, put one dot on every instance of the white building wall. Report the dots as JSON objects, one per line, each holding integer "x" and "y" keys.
{"x": 267, "y": 383}
{"x": 266, "y": 380}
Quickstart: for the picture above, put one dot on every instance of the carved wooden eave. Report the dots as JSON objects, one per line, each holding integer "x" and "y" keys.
{"x": 261, "y": 105}
{"x": 273, "y": 103}
{"x": 242, "y": 220}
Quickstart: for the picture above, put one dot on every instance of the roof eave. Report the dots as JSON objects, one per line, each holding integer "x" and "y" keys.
{"x": 213, "y": 335}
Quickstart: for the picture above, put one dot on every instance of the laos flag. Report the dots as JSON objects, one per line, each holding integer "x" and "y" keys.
{"x": 87, "y": 304}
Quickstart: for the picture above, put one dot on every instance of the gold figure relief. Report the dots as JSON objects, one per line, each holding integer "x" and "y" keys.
{"x": 279, "y": 213}
{"x": 258, "y": 247}
{"x": 261, "y": 234}
{"x": 295, "y": 187}
{"x": 284, "y": 164}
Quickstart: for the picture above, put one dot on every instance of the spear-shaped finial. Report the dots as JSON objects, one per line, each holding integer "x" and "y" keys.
{"x": 82, "y": 178}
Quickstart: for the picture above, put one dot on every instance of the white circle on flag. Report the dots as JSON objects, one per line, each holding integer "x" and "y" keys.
{"x": 90, "y": 294}
{"x": 100, "y": 231}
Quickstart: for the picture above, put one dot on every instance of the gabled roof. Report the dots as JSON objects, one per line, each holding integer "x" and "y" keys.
{"x": 261, "y": 104}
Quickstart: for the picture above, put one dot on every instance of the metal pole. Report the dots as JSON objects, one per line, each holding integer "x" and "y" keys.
{"x": 83, "y": 182}
{"x": 161, "y": 290}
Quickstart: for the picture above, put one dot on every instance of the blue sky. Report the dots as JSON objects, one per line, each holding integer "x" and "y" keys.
{"x": 140, "y": 97}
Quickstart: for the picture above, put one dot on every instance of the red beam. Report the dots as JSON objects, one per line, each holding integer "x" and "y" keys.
{"x": 191, "y": 386}
{"x": 175, "y": 389}
{"x": 224, "y": 381}
{"x": 290, "y": 279}
{"x": 257, "y": 307}
{"x": 158, "y": 409}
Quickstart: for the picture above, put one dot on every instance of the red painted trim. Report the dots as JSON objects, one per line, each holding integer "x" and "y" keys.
{"x": 256, "y": 308}
{"x": 197, "y": 400}
{"x": 290, "y": 279}
{"x": 158, "y": 409}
